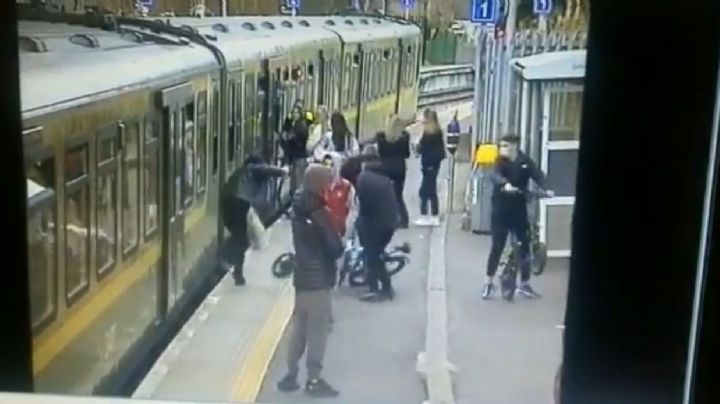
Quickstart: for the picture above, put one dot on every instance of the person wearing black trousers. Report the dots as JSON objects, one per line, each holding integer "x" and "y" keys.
{"x": 246, "y": 188}
{"x": 432, "y": 152}
{"x": 394, "y": 149}
{"x": 377, "y": 220}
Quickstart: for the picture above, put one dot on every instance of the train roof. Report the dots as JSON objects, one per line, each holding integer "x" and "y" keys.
{"x": 251, "y": 38}
{"x": 70, "y": 64}
{"x": 63, "y": 64}
{"x": 354, "y": 29}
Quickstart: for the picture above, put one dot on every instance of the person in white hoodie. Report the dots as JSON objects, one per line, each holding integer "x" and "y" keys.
{"x": 339, "y": 141}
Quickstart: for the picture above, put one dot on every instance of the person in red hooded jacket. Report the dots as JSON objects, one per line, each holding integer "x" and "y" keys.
{"x": 340, "y": 198}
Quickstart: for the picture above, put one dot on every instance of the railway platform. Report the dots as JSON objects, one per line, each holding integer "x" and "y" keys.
{"x": 233, "y": 347}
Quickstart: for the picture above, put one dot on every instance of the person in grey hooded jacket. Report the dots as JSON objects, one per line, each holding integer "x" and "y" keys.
{"x": 317, "y": 247}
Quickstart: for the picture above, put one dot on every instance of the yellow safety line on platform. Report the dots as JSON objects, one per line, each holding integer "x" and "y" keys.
{"x": 252, "y": 374}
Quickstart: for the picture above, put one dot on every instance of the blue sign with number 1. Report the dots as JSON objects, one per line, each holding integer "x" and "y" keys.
{"x": 483, "y": 11}
{"x": 542, "y": 7}
{"x": 408, "y": 4}
{"x": 293, "y": 3}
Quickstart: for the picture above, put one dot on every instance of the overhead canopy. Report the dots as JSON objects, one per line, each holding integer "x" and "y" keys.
{"x": 565, "y": 65}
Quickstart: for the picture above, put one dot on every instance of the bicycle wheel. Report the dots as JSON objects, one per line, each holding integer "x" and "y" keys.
{"x": 284, "y": 265}
{"x": 539, "y": 258}
{"x": 508, "y": 280}
{"x": 395, "y": 264}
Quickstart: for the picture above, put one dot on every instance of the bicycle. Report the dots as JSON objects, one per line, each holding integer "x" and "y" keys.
{"x": 353, "y": 262}
{"x": 513, "y": 261}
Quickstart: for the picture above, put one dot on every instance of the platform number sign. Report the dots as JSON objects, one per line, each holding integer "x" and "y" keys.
{"x": 484, "y": 11}
{"x": 293, "y": 4}
{"x": 146, "y": 3}
{"x": 542, "y": 7}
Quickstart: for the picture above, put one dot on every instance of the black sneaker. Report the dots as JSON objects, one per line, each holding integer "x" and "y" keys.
{"x": 288, "y": 383}
{"x": 526, "y": 290}
{"x": 389, "y": 293}
{"x": 488, "y": 291}
{"x": 240, "y": 281}
{"x": 320, "y": 388}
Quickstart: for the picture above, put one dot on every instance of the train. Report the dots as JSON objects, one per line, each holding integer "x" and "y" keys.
{"x": 132, "y": 125}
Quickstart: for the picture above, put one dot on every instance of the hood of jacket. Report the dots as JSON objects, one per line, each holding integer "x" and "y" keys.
{"x": 375, "y": 166}
{"x": 305, "y": 203}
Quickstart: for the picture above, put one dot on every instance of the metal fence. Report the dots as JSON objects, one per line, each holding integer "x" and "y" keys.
{"x": 496, "y": 106}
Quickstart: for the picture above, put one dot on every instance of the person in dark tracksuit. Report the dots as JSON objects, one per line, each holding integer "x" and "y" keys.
{"x": 317, "y": 247}
{"x": 246, "y": 187}
{"x": 432, "y": 152}
{"x": 378, "y": 218}
{"x": 394, "y": 148}
{"x": 511, "y": 177}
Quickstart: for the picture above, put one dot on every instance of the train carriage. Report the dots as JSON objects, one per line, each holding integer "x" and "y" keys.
{"x": 131, "y": 127}
{"x": 100, "y": 270}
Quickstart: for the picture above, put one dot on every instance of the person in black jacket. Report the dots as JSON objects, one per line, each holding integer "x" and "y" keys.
{"x": 394, "y": 149}
{"x": 317, "y": 247}
{"x": 432, "y": 152}
{"x": 352, "y": 166}
{"x": 245, "y": 188}
{"x": 296, "y": 130}
{"x": 378, "y": 218}
{"x": 511, "y": 177}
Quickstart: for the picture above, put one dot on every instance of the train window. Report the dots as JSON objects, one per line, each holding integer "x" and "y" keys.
{"x": 249, "y": 115}
{"x": 310, "y": 78}
{"x": 201, "y": 155}
{"x": 77, "y": 222}
{"x": 323, "y": 79}
{"x": 151, "y": 181}
{"x": 130, "y": 184}
{"x": 345, "y": 86}
{"x": 239, "y": 135}
{"x": 42, "y": 247}
{"x": 369, "y": 86}
{"x": 231, "y": 122}
{"x": 355, "y": 88}
{"x": 188, "y": 152}
{"x": 215, "y": 126}
{"x": 105, "y": 203}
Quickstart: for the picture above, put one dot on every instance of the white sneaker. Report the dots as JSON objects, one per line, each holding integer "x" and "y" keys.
{"x": 422, "y": 221}
{"x": 434, "y": 221}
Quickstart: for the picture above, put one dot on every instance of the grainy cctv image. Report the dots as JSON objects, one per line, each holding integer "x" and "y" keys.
{"x": 278, "y": 201}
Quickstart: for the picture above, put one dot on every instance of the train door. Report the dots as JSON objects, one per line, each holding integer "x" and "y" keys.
{"x": 275, "y": 109}
{"x": 174, "y": 102}
{"x": 364, "y": 93}
{"x": 400, "y": 62}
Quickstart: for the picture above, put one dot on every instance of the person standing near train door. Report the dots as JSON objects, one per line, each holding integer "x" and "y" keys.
{"x": 245, "y": 189}
{"x": 296, "y": 131}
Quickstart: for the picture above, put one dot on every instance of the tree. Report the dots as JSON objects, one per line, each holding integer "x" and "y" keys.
{"x": 440, "y": 13}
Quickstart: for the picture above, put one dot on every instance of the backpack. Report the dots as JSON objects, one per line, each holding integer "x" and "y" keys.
{"x": 337, "y": 200}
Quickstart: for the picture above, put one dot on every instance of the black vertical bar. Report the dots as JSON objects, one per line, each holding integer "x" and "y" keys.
{"x": 15, "y": 339}
{"x": 167, "y": 199}
{"x": 643, "y": 163}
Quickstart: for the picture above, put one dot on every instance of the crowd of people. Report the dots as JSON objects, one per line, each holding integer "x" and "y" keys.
{"x": 342, "y": 190}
